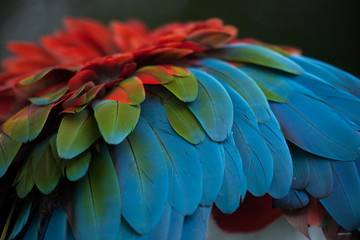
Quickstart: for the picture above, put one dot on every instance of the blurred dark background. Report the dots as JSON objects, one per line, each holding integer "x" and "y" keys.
{"x": 323, "y": 29}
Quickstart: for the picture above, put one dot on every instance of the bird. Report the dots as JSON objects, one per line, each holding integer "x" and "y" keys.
{"x": 119, "y": 132}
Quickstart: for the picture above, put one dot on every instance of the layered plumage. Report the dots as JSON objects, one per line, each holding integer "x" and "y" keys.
{"x": 123, "y": 133}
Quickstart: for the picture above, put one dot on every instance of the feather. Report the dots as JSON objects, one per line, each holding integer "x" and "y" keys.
{"x": 308, "y": 128}
{"x": 27, "y": 124}
{"x": 301, "y": 168}
{"x": 343, "y": 202}
{"x": 55, "y": 226}
{"x": 180, "y": 117}
{"x": 33, "y": 228}
{"x": 8, "y": 151}
{"x": 46, "y": 170}
{"x": 95, "y": 206}
{"x": 195, "y": 225}
{"x": 76, "y": 133}
{"x": 126, "y": 232}
{"x": 184, "y": 85}
{"x": 294, "y": 200}
{"x": 176, "y": 225}
{"x": 183, "y": 165}
{"x": 321, "y": 181}
{"x": 282, "y": 173}
{"x": 259, "y": 55}
{"x": 130, "y": 91}
{"x": 49, "y": 97}
{"x": 115, "y": 119}
{"x": 143, "y": 179}
{"x": 241, "y": 83}
{"x": 234, "y": 183}
{"x": 161, "y": 230}
{"x": 77, "y": 167}
{"x": 211, "y": 156}
{"x": 333, "y": 75}
{"x": 256, "y": 156}
{"x": 274, "y": 85}
{"x": 25, "y": 179}
{"x": 212, "y": 107}
{"x": 21, "y": 218}
{"x": 340, "y": 101}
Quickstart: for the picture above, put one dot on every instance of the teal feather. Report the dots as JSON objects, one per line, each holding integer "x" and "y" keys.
{"x": 212, "y": 107}
{"x": 183, "y": 165}
{"x": 303, "y": 123}
{"x": 195, "y": 225}
{"x": 55, "y": 226}
{"x": 301, "y": 168}
{"x": 294, "y": 200}
{"x": 343, "y": 202}
{"x": 142, "y": 174}
{"x": 211, "y": 156}
{"x": 233, "y": 188}
{"x": 241, "y": 83}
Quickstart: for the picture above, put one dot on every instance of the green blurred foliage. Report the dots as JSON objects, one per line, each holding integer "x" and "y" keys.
{"x": 325, "y": 29}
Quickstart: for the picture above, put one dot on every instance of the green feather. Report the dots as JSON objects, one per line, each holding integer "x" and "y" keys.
{"x": 8, "y": 150}
{"x": 256, "y": 54}
{"x": 184, "y": 85}
{"x": 115, "y": 119}
{"x": 25, "y": 178}
{"x": 35, "y": 77}
{"x": 49, "y": 97}
{"x": 181, "y": 119}
{"x": 76, "y": 133}
{"x": 77, "y": 167}
{"x": 46, "y": 170}
{"x": 130, "y": 91}
{"x": 26, "y": 124}
{"x": 95, "y": 211}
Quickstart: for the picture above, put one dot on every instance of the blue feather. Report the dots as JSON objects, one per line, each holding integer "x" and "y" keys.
{"x": 303, "y": 123}
{"x": 126, "y": 232}
{"x": 176, "y": 225}
{"x": 183, "y": 165}
{"x": 294, "y": 200}
{"x": 195, "y": 225}
{"x": 340, "y": 101}
{"x": 234, "y": 184}
{"x": 342, "y": 79}
{"x": 320, "y": 183}
{"x": 142, "y": 176}
{"x": 22, "y": 218}
{"x": 161, "y": 230}
{"x": 301, "y": 168}
{"x": 211, "y": 156}
{"x": 33, "y": 229}
{"x": 256, "y": 157}
{"x": 282, "y": 173}
{"x": 241, "y": 83}
{"x": 55, "y": 226}
{"x": 343, "y": 202}
{"x": 212, "y": 107}
{"x": 274, "y": 85}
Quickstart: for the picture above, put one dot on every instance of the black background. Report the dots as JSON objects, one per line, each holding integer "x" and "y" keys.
{"x": 323, "y": 29}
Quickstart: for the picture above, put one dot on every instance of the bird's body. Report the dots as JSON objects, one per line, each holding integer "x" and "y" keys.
{"x": 123, "y": 133}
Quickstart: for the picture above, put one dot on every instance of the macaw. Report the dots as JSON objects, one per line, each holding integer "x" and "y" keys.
{"x": 118, "y": 132}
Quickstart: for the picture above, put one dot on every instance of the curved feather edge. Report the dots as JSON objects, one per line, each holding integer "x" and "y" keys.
{"x": 240, "y": 82}
{"x": 212, "y": 107}
{"x": 302, "y": 122}
{"x": 256, "y": 157}
{"x": 259, "y": 55}
{"x": 234, "y": 187}
{"x": 343, "y": 202}
{"x": 301, "y": 168}
{"x": 212, "y": 160}
{"x": 94, "y": 205}
{"x": 195, "y": 225}
{"x": 294, "y": 200}
{"x": 184, "y": 169}
{"x": 21, "y": 218}
{"x": 141, "y": 166}
{"x": 55, "y": 226}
